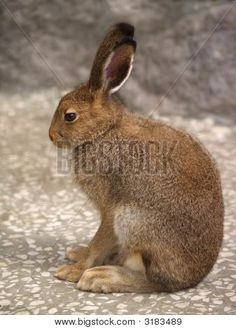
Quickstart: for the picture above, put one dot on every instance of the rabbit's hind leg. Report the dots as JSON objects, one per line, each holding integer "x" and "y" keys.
{"x": 114, "y": 279}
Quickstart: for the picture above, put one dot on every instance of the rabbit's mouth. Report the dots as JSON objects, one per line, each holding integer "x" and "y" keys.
{"x": 60, "y": 142}
{"x": 58, "y": 139}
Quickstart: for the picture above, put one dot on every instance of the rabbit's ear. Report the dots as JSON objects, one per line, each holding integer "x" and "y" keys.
{"x": 118, "y": 66}
{"x": 114, "y": 37}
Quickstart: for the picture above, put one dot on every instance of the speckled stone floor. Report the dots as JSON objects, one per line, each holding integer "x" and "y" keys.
{"x": 43, "y": 214}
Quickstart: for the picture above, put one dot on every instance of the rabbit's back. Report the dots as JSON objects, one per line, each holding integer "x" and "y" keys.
{"x": 163, "y": 165}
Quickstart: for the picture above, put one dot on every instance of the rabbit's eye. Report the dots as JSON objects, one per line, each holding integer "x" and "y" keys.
{"x": 70, "y": 116}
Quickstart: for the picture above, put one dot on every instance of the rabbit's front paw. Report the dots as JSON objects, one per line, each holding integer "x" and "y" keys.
{"x": 78, "y": 254}
{"x": 69, "y": 273}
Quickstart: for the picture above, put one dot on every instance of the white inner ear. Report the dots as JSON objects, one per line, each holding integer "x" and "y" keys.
{"x": 115, "y": 89}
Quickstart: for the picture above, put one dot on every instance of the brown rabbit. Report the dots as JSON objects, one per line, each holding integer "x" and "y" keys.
{"x": 157, "y": 188}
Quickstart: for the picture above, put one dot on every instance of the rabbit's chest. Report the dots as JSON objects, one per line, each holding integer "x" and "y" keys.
{"x": 96, "y": 188}
{"x": 128, "y": 225}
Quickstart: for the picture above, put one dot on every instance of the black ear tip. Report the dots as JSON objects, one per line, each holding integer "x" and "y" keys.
{"x": 126, "y": 28}
{"x": 127, "y": 41}
{"x": 131, "y": 42}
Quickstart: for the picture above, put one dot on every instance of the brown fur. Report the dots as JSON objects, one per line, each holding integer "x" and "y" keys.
{"x": 160, "y": 198}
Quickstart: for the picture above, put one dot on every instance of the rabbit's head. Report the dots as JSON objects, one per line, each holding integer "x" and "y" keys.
{"x": 91, "y": 110}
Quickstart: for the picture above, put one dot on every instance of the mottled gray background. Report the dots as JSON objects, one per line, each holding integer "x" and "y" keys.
{"x": 184, "y": 73}
{"x": 169, "y": 35}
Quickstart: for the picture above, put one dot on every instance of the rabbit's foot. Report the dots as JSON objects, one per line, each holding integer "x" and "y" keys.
{"x": 78, "y": 254}
{"x": 112, "y": 279}
{"x": 109, "y": 279}
{"x": 98, "y": 279}
{"x": 69, "y": 273}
